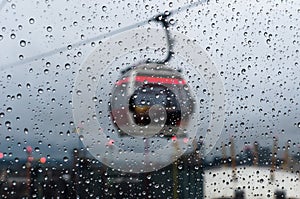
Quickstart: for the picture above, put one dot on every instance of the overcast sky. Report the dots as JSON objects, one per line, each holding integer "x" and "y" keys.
{"x": 254, "y": 45}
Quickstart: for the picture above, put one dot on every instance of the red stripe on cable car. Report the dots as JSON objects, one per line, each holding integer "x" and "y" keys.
{"x": 122, "y": 81}
{"x": 148, "y": 79}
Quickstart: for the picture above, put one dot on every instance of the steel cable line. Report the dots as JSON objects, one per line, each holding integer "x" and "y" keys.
{"x": 99, "y": 37}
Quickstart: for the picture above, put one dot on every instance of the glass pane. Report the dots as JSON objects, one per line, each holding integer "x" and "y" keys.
{"x": 149, "y": 99}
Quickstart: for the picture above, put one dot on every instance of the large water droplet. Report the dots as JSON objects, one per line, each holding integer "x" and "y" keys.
{"x": 7, "y": 123}
{"x": 13, "y": 36}
{"x": 66, "y": 159}
{"x": 78, "y": 92}
{"x": 22, "y": 43}
{"x": 49, "y": 29}
{"x": 40, "y": 91}
{"x": 104, "y": 8}
{"x": 31, "y": 21}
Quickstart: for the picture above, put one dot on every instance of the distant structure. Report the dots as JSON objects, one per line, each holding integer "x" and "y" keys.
{"x": 262, "y": 175}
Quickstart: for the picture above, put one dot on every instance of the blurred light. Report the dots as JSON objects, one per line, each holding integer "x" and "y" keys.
{"x": 43, "y": 160}
{"x": 29, "y": 149}
{"x": 247, "y": 147}
{"x": 185, "y": 140}
{"x": 30, "y": 158}
{"x": 174, "y": 138}
{"x": 110, "y": 142}
{"x": 1, "y": 155}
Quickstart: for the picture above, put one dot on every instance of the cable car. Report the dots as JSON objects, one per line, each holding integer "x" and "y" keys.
{"x": 151, "y": 99}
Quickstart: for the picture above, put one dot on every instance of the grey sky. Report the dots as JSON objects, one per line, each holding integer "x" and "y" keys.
{"x": 253, "y": 44}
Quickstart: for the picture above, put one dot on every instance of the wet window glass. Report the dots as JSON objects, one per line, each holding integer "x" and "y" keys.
{"x": 149, "y": 99}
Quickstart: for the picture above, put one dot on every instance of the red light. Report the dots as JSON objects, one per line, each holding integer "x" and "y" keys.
{"x": 43, "y": 160}
{"x": 1, "y": 155}
{"x": 110, "y": 142}
{"x": 29, "y": 149}
{"x": 247, "y": 147}
{"x": 30, "y": 158}
{"x": 185, "y": 140}
{"x": 174, "y": 138}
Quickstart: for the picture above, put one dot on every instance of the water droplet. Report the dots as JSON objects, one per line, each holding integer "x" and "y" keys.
{"x": 22, "y": 43}
{"x": 31, "y": 21}
{"x": 104, "y": 8}
{"x": 40, "y": 90}
{"x": 7, "y": 123}
{"x": 81, "y": 137}
{"x": 172, "y": 21}
{"x": 49, "y": 28}
{"x": 66, "y": 159}
{"x": 78, "y": 92}
{"x": 13, "y": 36}
{"x": 94, "y": 99}
{"x": 67, "y": 66}
{"x": 26, "y": 131}
{"x": 243, "y": 71}
{"x": 48, "y": 64}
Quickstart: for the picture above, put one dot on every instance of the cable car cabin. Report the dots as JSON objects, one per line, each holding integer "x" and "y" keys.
{"x": 150, "y": 100}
